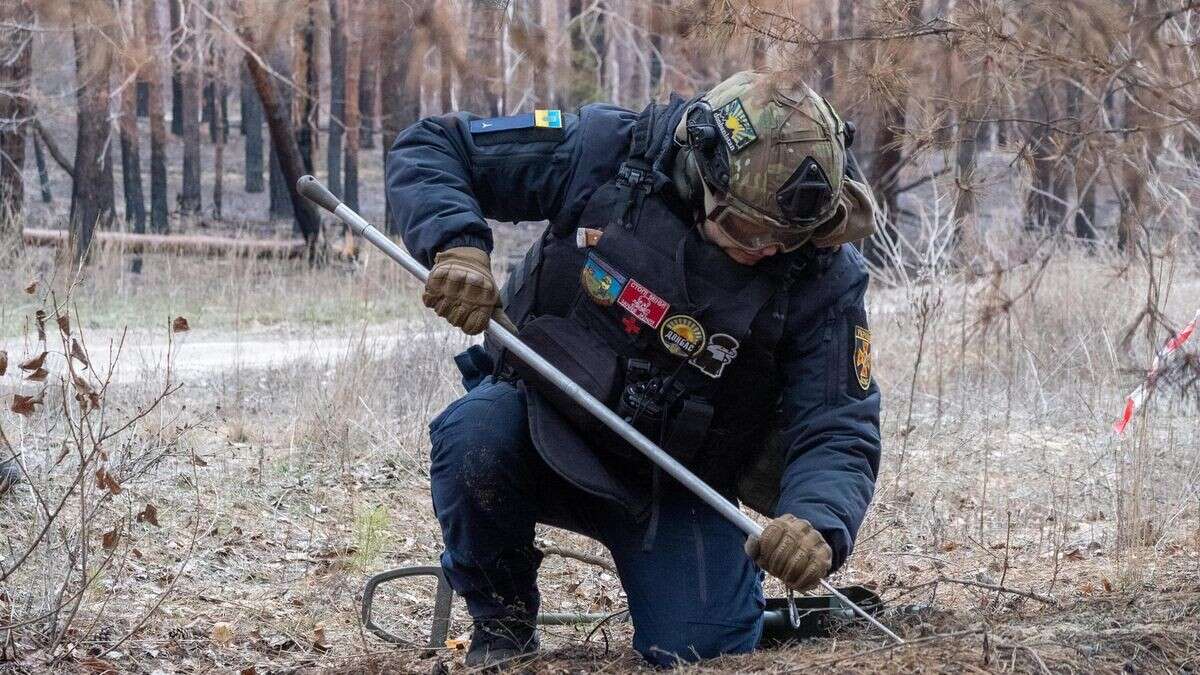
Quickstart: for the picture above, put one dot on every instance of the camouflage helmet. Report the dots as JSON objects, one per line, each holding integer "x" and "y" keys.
{"x": 778, "y": 153}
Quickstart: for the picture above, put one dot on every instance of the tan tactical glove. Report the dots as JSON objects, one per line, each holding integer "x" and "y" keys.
{"x": 461, "y": 288}
{"x": 792, "y": 551}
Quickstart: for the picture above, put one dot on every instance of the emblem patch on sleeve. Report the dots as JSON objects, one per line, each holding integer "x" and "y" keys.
{"x": 682, "y": 335}
{"x": 643, "y": 304}
{"x": 735, "y": 126}
{"x": 601, "y": 281}
{"x": 721, "y": 351}
{"x": 862, "y": 357}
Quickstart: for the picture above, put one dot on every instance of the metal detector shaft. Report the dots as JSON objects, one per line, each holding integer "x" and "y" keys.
{"x": 311, "y": 188}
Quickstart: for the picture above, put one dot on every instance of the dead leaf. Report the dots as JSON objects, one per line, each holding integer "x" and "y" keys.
{"x": 40, "y": 317}
{"x": 34, "y": 363}
{"x": 32, "y": 287}
{"x": 92, "y": 664}
{"x": 148, "y": 515}
{"x": 78, "y": 354}
{"x": 1108, "y": 588}
{"x": 105, "y": 481}
{"x": 81, "y": 385}
{"x": 64, "y": 324}
{"x": 319, "y": 635}
{"x": 38, "y": 375}
{"x": 222, "y": 633}
{"x": 198, "y": 462}
{"x": 3, "y": 362}
{"x": 248, "y": 671}
{"x": 180, "y": 325}
{"x": 1074, "y": 554}
{"x": 25, "y": 405}
{"x": 110, "y": 539}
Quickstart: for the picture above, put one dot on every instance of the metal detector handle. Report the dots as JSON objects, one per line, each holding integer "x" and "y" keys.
{"x": 310, "y": 187}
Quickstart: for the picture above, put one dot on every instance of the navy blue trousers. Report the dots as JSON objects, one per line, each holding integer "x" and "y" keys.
{"x": 693, "y": 593}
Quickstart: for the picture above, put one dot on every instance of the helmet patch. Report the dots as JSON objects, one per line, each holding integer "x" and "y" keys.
{"x": 807, "y": 194}
{"x": 734, "y": 125}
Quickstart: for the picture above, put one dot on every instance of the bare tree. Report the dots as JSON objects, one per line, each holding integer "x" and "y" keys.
{"x": 153, "y": 72}
{"x": 190, "y": 60}
{"x": 402, "y": 106}
{"x": 287, "y": 150}
{"x": 354, "y": 70}
{"x": 16, "y": 49}
{"x": 337, "y": 94}
{"x": 174, "y": 39}
{"x": 252, "y": 122}
{"x": 131, "y": 162}
{"x": 92, "y": 191}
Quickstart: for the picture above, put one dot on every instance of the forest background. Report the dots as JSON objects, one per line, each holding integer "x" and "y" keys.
{"x": 216, "y": 399}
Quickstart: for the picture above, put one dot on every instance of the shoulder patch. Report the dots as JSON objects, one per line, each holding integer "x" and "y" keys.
{"x": 538, "y": 119}
{"x": 859, "y": 366}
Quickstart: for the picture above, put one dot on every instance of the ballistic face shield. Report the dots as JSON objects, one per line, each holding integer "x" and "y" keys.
{"x": 772, "y": 156}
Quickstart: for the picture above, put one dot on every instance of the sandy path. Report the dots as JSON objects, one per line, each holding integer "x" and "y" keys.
{"x": 196, "y": 355}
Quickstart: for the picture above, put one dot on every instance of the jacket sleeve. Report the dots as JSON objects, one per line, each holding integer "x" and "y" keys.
{"x": 443, "y": 182}
{"x": 830, "y": 419}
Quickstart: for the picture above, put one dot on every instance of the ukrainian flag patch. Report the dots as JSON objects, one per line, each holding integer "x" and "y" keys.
{"x": 538, "y": 119}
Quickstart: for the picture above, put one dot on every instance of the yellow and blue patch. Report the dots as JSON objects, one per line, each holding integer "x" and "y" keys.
{"x": 602, "y": 282}
{"x": 538, "y": 119}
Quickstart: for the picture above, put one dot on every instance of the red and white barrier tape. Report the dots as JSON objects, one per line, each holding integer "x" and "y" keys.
{"x": 1135, "y": 400}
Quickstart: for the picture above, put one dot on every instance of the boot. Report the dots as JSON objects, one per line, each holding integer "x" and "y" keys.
{"x": 500, "y": 644}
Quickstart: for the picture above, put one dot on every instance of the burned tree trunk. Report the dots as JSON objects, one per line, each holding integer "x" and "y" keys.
{"x": 189, "y": 55}
{"x": 306, "y": 65}
{"x": 173, "y": 41}
{"x": 337, "y": 94}
{"x": 402, "y": 106}
{"x": 1046, "y": 203}
{"x": 368, "y": 83}
{"x": 92, "y": 191}
{"x": 354, "y": 58}
{"x": 16, "y": 51}
{"x": 131, "y": 161}
{"x": 252, "y": 121}
{"x": 280, "y": 198}
{"x": 286, "y": 148}
{"x": 159, "y": 221}
{"x": 39, "y": 157}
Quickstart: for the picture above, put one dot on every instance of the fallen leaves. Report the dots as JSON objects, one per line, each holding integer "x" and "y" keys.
{"x": 222, "y": 633}
{"x": 180, "y": 325}
{"x": 110, "y": 539}
{"x": 64, "y": 324}
{"x": 3, "y": 362}
{"x": 148, "y": 515}
{"x": 31, "y": 288}
{"x": 38, "y": 375}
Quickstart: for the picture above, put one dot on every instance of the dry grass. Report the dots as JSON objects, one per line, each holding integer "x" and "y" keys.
{"x": 279, "y": 488}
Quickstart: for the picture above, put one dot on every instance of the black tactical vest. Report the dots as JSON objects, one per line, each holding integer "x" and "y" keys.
{"x": 664, "y": 328}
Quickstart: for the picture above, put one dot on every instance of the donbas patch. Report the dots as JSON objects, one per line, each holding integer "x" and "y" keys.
{"x": 862, "y": 357}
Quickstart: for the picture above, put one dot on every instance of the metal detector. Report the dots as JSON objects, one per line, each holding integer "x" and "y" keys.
{"x": 311, "y": 188}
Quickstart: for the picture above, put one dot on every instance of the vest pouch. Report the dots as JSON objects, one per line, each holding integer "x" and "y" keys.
{"x": 577, "y": 353}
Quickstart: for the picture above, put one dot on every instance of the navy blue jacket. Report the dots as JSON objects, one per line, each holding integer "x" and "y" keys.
{"x": 443, "y": 184}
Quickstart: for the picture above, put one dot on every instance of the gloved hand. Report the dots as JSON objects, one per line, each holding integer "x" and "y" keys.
{"x": 461, "y": 288}
{"x": 792, "y": 551}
